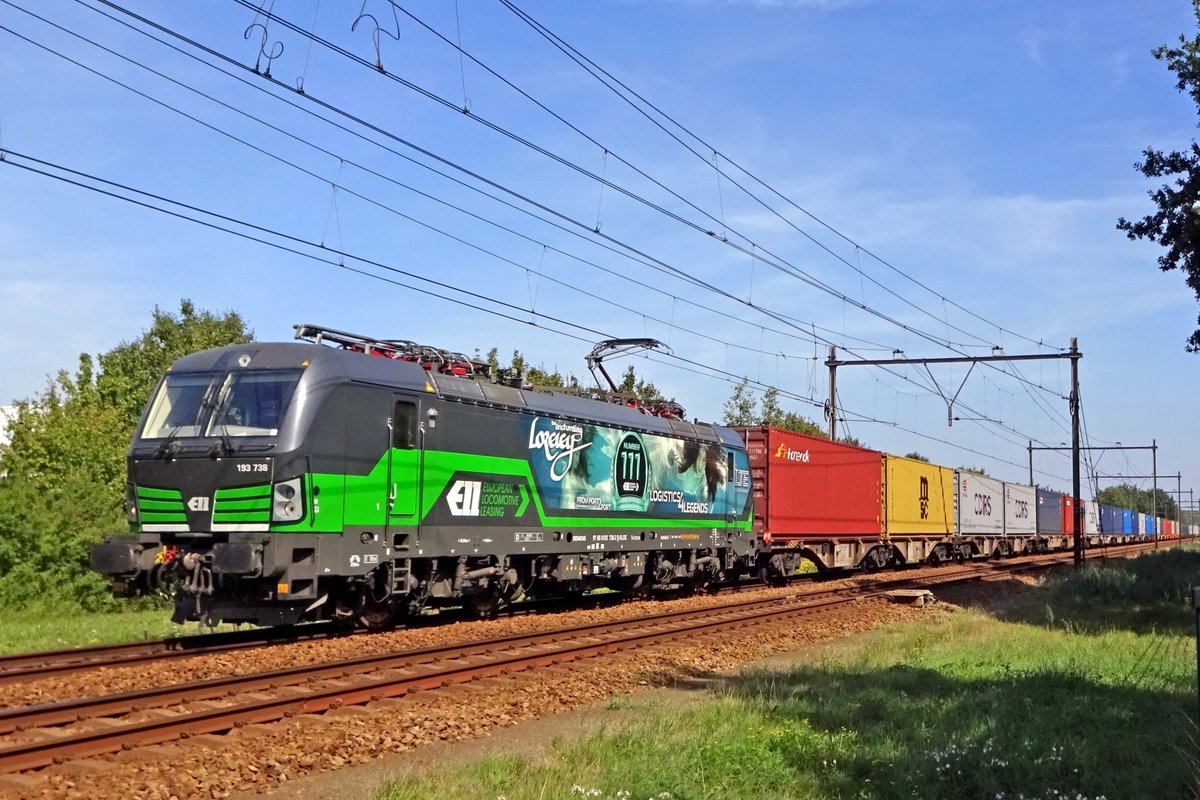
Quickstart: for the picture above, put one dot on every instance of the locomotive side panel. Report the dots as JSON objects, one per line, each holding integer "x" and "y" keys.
{"x": 499, "y": 480}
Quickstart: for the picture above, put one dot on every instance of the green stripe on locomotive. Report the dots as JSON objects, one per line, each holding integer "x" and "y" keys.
{"x": 362, "y": 500}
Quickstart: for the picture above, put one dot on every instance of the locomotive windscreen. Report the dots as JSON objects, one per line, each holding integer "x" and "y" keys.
{"x": 246, "y": 403}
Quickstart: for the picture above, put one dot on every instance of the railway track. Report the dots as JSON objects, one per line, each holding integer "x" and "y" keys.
{"x": 30, "y": 738}
{"x": 32, "y": 666}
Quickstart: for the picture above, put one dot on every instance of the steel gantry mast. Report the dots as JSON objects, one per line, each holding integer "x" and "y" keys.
{"x": 833, "y": 362}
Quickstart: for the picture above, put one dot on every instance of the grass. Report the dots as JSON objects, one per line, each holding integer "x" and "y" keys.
{"x": 51, "y": 628}
{"x": 1085, "y": 691}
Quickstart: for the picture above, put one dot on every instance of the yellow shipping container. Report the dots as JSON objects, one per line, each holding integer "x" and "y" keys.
{"x": 918, "y": 497}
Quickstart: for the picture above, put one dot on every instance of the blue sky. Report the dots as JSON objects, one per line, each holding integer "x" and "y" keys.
{"x": 985, "y": 149}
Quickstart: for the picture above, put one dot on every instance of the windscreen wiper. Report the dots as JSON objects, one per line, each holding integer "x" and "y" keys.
{"x": 169, "y": 448}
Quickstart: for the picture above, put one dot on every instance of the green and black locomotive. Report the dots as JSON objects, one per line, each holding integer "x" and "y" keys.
{"x": 340, "y": 477}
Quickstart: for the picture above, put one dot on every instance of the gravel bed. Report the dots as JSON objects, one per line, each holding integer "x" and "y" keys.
{"x": 257, "y": 758}
{"x": 113, "y": 680}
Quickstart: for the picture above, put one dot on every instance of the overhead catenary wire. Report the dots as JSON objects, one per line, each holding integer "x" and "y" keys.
{"x": 293, "y": 244}
{"x": 775, "y": 261}
{"x": 634, "y": 252}
{"x": 805, "y": 324}
{"x": 758, "y": 308}
{"x": 476, "y": 176}
{"x": 715, "y": 163}
{"x": 263, "y": 151}
{"x": 624, "y": 92}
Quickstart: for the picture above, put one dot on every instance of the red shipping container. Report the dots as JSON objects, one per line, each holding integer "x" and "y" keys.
{"x": 1068, "y": 514}
{"x": 805, "y": 487}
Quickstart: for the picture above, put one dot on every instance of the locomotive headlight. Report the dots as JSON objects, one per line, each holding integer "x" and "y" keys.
{"x": 131, "y": 509}
{"x": 287, "y": 503}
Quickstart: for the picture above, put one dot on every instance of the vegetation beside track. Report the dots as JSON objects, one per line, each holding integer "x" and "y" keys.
{"x": 55, "y": 627}
{"x": 1037, "y": 699}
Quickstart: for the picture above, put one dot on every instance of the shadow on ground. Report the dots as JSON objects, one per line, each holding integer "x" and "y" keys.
{"x": 906, "y": 731}
{"x": 1146, "y": 595}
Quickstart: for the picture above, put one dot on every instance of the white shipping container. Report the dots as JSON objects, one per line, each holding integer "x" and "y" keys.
{"x": 1091, "y": 517}
{"x": 1020, "y": 509}
{"x": 1139, "y": 523}
{"x": 980, "y": 504}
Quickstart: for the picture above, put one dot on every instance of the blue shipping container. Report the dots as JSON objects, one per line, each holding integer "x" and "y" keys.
{"x": 1149, "y": 525}
{"x": 1126, "y": 521}
{"x": 1049, "y": 511}
{"x": 1110, "y": 519}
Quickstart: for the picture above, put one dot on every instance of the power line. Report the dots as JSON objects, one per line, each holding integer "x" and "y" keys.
{"x": 631, "y": 251}
{"x": 775, "y": 262}
{"x": 383, "y": 206}
{"x": 608, "y": 152}
{"x": 608, "y": 80}
{"x": 751, "y": 305}
{"x": 292, "y": 244}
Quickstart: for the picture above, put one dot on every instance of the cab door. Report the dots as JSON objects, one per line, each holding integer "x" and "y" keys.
{"x": 404, "y": 464}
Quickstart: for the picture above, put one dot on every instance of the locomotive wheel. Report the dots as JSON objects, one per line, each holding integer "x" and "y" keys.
{"x": 484, "y": 605}
{"x": 630, "y": 586}
{"x": 376, "y": 614}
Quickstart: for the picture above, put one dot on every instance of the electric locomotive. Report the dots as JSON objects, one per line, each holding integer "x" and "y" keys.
{"x": 343, "y": 477}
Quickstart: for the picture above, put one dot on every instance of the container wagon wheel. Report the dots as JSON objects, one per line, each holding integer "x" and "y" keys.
{"x": 876, "y": 559}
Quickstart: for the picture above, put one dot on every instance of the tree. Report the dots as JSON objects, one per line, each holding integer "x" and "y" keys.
{"x": 771, "y": 414}
{"x": 974, "y": 470}
{"x": 739, "y": 408}
{"x": 1176, "y": 223}
{"x": 1128, "y": 496}
{"x": 644, "y": 390}
{"x": 915, "y": 456}
{"x": 799, "y": 424}
{"x": 64, "y": 467}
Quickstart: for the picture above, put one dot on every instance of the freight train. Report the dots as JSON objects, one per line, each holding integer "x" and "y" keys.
{"x": 347, "y": 478}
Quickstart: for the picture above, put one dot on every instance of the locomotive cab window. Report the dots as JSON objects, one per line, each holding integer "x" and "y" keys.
{"x": 249, "y": 403}
{"x": 404, "y": 426}
{"x": 178, "y": 406}
{"x": 252, "y": 403}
